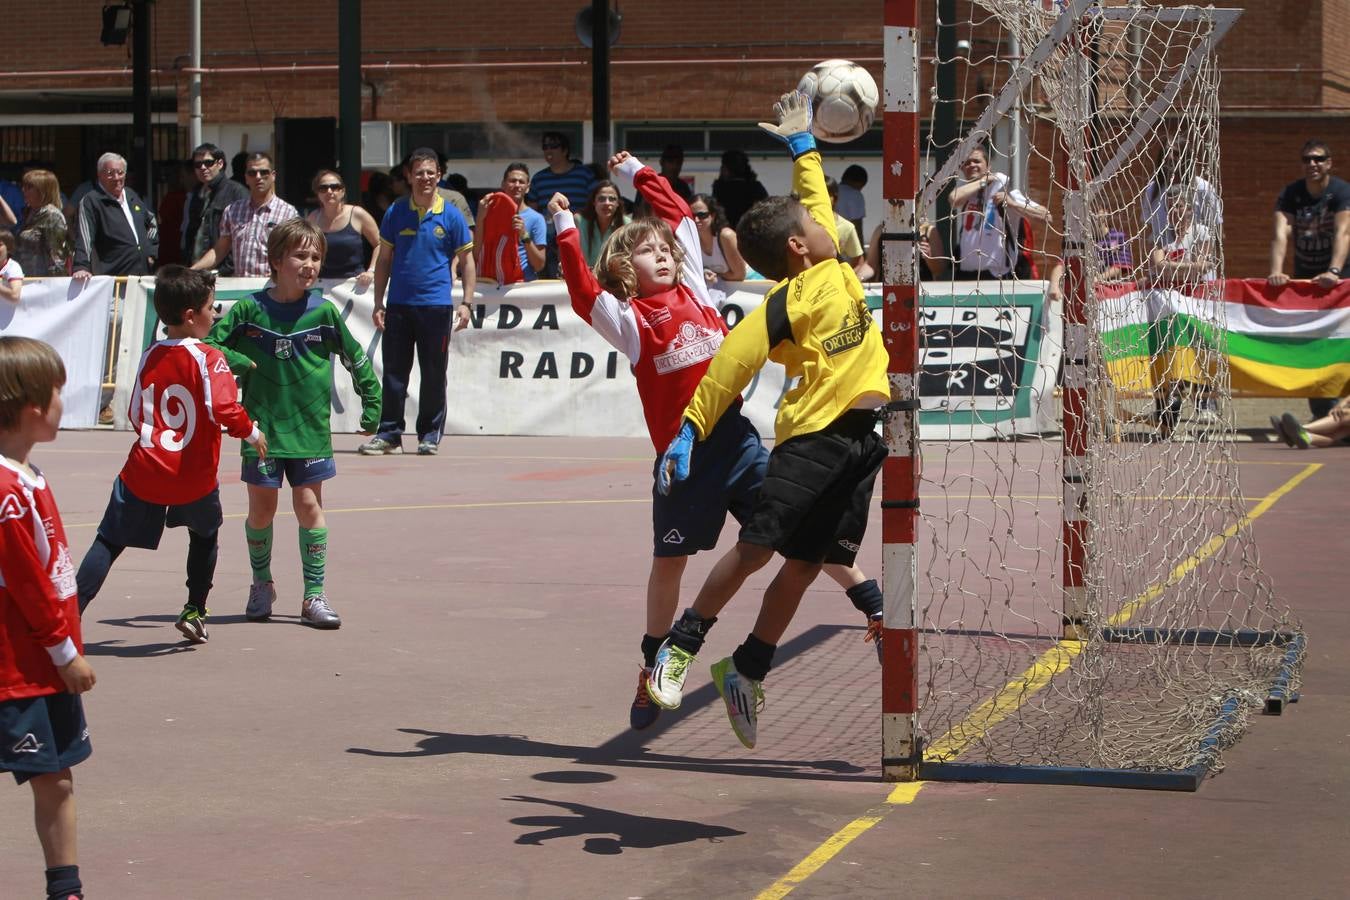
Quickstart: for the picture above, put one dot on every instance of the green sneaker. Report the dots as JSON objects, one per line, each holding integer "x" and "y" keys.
{"x": 192, "y": 623}
{"x": 744, "y": 698}
{"x": 666, "y": 683}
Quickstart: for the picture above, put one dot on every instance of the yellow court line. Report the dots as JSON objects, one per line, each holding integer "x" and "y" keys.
{"x": 1054, "y": 660}
{"x": 500, "y": 504}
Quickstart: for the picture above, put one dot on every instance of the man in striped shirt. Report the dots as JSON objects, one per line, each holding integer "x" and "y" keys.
{"x": 245, "y": 224}
{"x": 563, "y": 176}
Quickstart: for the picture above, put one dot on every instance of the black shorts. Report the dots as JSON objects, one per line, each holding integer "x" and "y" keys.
{"x": 818, "y": 490}
{"x": 39, "y": 735}
{"x": 725, "y": 472}
{"x": 130, "y": 521}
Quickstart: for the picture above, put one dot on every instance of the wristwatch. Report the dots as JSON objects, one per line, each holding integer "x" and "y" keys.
{"x": 1335, "y": 270}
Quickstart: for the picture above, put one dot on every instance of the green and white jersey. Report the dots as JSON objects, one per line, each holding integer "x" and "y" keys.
{"x": 283, "y": 355}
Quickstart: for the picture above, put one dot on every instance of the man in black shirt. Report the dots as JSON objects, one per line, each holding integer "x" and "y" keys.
{"x": 1316, "y": 210}
{"x": 215, "y": 191}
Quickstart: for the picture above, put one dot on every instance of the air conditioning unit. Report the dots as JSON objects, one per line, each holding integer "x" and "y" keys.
{"x": 377, "y": 145}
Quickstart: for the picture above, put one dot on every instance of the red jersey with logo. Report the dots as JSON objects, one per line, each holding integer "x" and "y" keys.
{"x": 184, "y": 393}
{"x": 670, "y": 337}
{"x": 39, "y": 613}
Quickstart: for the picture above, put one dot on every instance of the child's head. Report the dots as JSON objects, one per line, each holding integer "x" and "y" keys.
{"x": 6, "y": 244}
{"x": 854, "y": 176}
{"x": 182, "y": 293}
{"x": 779, "y": 238}
{"x": 31, "y": 373}
{"x": 295, "y": 251}
{"x": 832, "y": 188}
{"x": 640, "y": 259}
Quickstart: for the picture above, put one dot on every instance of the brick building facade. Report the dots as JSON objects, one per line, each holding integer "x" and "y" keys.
{"x": 702, "y": 72}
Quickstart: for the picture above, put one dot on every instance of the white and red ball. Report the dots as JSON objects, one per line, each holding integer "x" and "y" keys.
{"x": 843, "y": 99}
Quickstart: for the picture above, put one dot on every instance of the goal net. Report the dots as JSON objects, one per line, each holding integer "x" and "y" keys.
{"x": 1088, "y": 591}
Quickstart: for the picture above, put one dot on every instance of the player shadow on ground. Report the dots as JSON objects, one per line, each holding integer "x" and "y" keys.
{"x": 136, "y": 651}
{"x": 596, "y": 825}
{"x": 624, "y": 751}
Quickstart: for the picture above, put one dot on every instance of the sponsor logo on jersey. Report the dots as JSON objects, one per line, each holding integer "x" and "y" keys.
{"x": 693, "y": 344}
{"x": 673, "y": 536}
{"x": 283, "y": 349}
{"x": 851, "y": 332}
{"x": 657, "y": 316}
{"x": 12, "y": 508}
{"x": 313, "y": 337}
{"x": 221, "y": 367}
{"x": 63, "y": 574}
{"x": 849, "y": 546}
{"x": 28, "y": 744}
{"x": 439, "y": 231}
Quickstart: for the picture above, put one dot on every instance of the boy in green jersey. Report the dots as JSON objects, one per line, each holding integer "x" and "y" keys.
{"x": 282, "y": 340}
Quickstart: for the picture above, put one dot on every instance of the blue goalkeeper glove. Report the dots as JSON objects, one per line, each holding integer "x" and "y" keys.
{"x": 793, "y": 111}
{"x": 674, "y": 464}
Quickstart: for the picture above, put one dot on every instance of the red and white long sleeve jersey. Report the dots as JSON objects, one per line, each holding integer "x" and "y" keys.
{"x": 184, "y": 393}
{"x": 670, "y": 337}
{"x": 39, "y": 614}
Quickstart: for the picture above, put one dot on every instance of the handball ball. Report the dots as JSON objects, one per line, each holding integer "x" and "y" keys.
{"x": 843, "y": 99}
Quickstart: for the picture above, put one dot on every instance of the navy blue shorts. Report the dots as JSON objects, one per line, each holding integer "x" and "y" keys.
{"x": 130, "y": 521}
{"x": 39, "y": 735}
{"x": 818, "y": 491}
{"x": 299, "y": 472}
{"x": 725, "y": 472}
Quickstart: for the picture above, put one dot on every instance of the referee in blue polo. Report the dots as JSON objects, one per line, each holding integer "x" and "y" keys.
{"x": 420, "y": 234}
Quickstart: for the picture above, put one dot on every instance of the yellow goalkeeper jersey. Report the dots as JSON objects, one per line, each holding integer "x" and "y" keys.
{"x": 816, "y": 324}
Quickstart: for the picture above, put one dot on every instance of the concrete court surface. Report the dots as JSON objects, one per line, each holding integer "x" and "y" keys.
{"x": 465, "y": 733}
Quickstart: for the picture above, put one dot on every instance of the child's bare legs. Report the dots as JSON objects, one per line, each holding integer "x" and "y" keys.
{"x": 845, "y": 576}
{"x": 663, "y": 594}
{"x": 781, "y": 599}
{"x": 307, "y": 501}
{"x": 727, "y": 576}
{"x": 54, "y": 816}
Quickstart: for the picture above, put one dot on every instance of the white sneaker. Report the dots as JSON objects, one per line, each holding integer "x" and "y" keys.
{"x": 744, "y": 698}
{"x": 316, "y": 612}
{"x": 261, "y": 596}
{"x": 666, "y": 683}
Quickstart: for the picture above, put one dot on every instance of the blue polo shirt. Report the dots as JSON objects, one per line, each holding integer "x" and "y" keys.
{"x": 423, "y": 242}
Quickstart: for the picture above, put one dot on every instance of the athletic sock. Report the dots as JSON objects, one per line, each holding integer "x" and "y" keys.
{"x": 259, "y": 551}
{"x": 754, "y": 658}
{"x": 63, "y": 882}
{"x": 866, "y": 597}
{"x": 94, "y": 570}
{"x": 201, "y": 567}
{"x": 690, "y": 632}
{"x": 649, "y": 647}
{"x": 313, "y": 557}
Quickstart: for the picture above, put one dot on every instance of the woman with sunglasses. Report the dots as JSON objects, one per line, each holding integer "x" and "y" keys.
{"x": 722, "y": 259}
{"x": 601, "y": 216}
{"x": 345, "y": 226}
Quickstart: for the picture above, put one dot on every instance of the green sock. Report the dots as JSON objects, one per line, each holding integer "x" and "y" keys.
{"x": 259, "y": 551}
{"x": 313, "y": 558}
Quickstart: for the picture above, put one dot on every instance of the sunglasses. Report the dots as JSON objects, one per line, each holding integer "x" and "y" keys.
{"x": 330, "y": 187}
{"x": 258, "y": 173}
{"x": 1314, "y": 158}
{"x": 703, "y": 215}
{"x": 204, "y": 163}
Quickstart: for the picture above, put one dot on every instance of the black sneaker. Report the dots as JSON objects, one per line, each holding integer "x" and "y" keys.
{"x": 644, "y": 710}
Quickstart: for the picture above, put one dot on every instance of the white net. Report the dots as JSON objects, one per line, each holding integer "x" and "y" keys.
{"x": 1125, "y": 105}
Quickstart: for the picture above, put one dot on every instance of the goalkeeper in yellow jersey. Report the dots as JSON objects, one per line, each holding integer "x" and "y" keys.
{"x": 813, "y": 505}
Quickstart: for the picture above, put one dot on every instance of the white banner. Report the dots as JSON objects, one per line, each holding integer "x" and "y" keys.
{"x": 528, "y": 365}
{"x": 72, "y": 316}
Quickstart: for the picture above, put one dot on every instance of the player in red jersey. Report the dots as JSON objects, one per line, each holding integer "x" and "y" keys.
{"x": 184, "y": 394}
{"x": 42, "y": 667}
{"x": 647, "y": 296}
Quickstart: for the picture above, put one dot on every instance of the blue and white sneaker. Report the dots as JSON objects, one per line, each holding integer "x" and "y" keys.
{"x": 744, "y": 698}
{"x": 665, "y": 685}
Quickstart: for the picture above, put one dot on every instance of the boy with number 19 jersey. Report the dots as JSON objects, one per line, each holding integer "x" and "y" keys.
{"x": 184, "y": 394}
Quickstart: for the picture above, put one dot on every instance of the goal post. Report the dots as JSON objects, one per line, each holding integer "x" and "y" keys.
{"x": 1078, "y": 603}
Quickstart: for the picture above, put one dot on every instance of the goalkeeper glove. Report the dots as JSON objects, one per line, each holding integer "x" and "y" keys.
{"x": 793, "y": 111}
{"x": 674, "y": 464}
